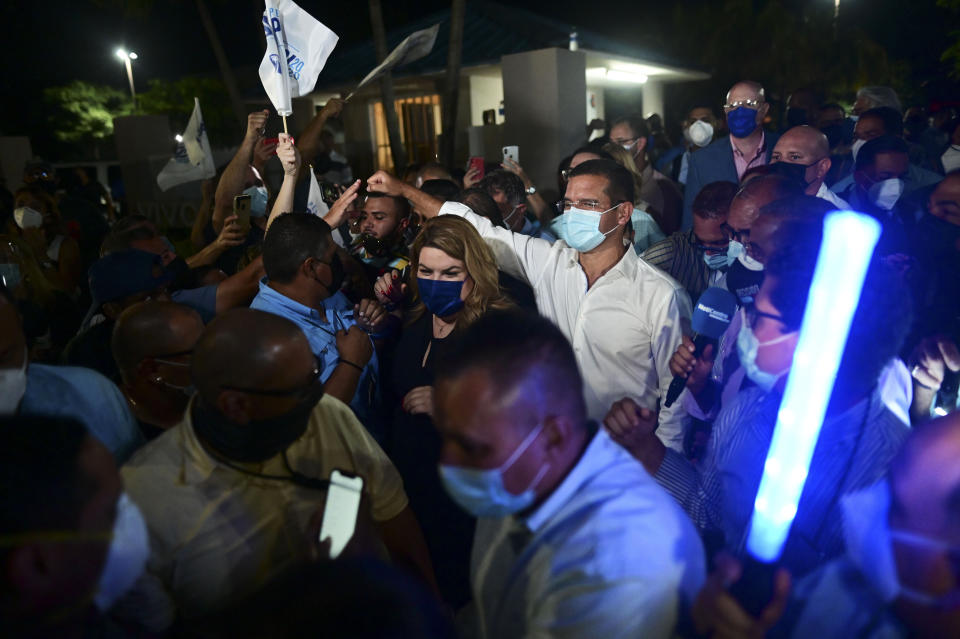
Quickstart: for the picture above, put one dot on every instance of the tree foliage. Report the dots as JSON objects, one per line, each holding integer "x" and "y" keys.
{"x": 952, "y": 54}
{"x": 81, "y": 112}
{"x": 175, "y": 100}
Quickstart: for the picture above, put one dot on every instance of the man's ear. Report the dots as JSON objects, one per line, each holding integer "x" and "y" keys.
{"x": 558, "y": 431}
{"x": 624, "y": 212}
{"x": 762, "y": 111}
{"x": 147, "y": 368}
{"x": 823, "y": 167}
{"x": 641, "y": 145}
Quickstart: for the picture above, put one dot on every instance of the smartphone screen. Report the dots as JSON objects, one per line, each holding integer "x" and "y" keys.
{"x": 512, "y": 152}
{"x": 340, "y": 512}
{"x": 241, "y": 208}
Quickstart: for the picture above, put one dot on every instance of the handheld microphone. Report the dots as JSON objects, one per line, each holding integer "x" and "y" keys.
{"x": 711, "y": 317}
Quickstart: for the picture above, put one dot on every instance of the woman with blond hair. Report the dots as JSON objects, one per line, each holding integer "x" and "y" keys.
{"x": 645, "y": 223}
{"x": 452, "y": 282}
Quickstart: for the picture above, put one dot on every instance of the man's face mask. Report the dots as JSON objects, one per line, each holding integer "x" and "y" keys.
{"x": 793, "y": 171}
{"x": 748, "y": 347}
{"x": 742, "y": 121}
{"x": 885, "y": 193}
{"x": 482, "y": 493}
{"x": 699, "y": 133}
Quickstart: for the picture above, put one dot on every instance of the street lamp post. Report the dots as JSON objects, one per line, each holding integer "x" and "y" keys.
{"x": 127, "y": 57}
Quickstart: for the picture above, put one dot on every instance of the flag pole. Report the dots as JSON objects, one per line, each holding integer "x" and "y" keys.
{"x": 285, "y": 125}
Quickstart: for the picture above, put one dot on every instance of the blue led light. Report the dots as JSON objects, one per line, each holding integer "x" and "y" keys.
{"x": 849, "y": 239}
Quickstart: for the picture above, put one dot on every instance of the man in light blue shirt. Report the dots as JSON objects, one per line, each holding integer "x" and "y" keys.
{"x": 304, "y": 274}
{"x": 574, "y": 538}
{"x": 61, "y": 391}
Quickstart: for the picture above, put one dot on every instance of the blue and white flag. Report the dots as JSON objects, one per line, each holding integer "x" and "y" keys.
{"x": 315, "y": 203}
{"x": 192, "y": 160}
{"x": 298, "y": 46}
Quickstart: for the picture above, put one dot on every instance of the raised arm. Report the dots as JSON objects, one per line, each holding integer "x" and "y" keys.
{"x": 383, "y": 182}
{"x": 544, "y": 212}
{"x": 310, "y": 138}
{"x": 231, "y": 182}
{"x": 290, "y": 159}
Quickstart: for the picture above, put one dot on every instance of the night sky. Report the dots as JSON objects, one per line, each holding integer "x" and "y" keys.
{"x": 57, "y": 41}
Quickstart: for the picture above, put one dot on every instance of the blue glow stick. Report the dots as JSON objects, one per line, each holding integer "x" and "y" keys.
{"x": 848, "y": 242}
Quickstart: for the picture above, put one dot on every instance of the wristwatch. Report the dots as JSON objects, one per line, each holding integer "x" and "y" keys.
{"x": 531, "y": 190}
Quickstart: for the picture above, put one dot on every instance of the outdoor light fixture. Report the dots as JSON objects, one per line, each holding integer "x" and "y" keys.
{"x": 178, "y": 138}
{"x": 616, "y": 75}
{"x": 126, "y": 57}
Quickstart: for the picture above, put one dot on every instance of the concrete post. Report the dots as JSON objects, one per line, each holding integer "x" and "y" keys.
{"x": 653, "y": 98}
{"x": 545, "y": 110}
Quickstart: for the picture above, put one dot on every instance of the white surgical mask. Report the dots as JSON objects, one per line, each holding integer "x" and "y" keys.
{"x": 13, "y": 384}
{"x": 886, "y": 193}
{"x": 857, "y": 145}
{"x": 127, "y": 556}
{"x": 27, "y": 218}
{"x": 951, "y": 158}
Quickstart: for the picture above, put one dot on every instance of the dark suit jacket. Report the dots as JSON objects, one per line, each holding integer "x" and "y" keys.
{"x": 714, "y": 164}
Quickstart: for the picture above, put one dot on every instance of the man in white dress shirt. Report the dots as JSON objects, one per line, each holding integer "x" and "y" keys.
{"x": 574, "y": 539}
{"x": 808, "y": 147}
{"x": 624, "y": 317}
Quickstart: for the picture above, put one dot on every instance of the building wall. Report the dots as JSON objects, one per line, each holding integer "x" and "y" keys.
{"x": 486, "y": 92}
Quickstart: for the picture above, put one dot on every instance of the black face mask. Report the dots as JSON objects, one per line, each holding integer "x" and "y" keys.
{"x": 795, "y": 172}
{"x": 337, "y": 274}
{"x": 796, "y": 117}
{"x": 743, "y": 282}
{"x": 374, "y": 246}
{"x": 936, "y": 236}
{"x": 255, "y": 441}
{"x": 834, "y": 133}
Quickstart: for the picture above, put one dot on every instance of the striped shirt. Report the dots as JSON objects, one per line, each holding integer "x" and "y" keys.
{"x": 853, "y": 451}
{"x": 678, "y": 256}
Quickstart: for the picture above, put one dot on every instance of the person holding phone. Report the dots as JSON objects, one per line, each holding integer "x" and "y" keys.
{"x": 452, "y": 282}
{"x": 230, "y": 492}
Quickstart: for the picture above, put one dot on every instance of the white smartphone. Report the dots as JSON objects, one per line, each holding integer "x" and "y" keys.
{"x": 340, "y": 513}
{"x": 512, "y": 152}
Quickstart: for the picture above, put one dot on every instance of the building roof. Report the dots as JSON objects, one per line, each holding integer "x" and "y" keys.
{"x": 490, "y": 31}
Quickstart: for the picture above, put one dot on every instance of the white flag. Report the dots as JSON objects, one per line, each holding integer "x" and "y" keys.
{"x": 298, "y": 46}
{"x": 415, "y": 46}
{"x": 193, "y": 159}
{"x": 315, "y": 203}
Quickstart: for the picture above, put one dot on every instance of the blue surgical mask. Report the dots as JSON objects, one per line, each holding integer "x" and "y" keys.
{"x": 442, "y": 298}
{"x": 747, "y": 348}
{"x": 717, "y": 261}
{"x": 580, "y": 228}
{"x": 737, "y": 251}
{"x": 482, "y": 493}
{"x": 742, "y": 121}
{"x": 258, "y": 200}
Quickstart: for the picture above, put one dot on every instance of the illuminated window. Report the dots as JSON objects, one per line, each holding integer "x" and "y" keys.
{"x": 419, "y": 127}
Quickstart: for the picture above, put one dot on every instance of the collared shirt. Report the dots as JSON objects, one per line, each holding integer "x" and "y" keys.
{"x": 606, "y": 555}
{"x": 321, "y": 331}
{"x": 624, "y": 329}
{"x": 646, "y": 231}
{"x": 743, "y": 163}
{"x": 824, "y": 193}
{"x": 217, "y": 533}
{"x": 678, "y": 256}
{"x": 854, "y": 450}
{"x": 88, "y": 396}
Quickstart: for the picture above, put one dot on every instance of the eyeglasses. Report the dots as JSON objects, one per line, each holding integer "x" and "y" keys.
{"x": 711, "y": 249}
{"x": 733, "y": 235}
{"x": 753, "y": 316}
{"x": 168, "y": 358}
{"x": 622, "y": 141}
{"x": 589, "y": 205}
{"x": 312, "y": 389}
{"x": 750, "y": 104}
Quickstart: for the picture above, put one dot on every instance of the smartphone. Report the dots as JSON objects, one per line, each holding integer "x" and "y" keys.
{"x": 476, "y": 163}
{"x": 269, "y": 141}
{"x": 512, "y": 152}
{"x": 241, "y": 208}
{"x": 340, "y": 513}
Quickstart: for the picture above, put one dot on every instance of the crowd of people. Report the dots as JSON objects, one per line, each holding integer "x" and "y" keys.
{"x": 495, "y": 367}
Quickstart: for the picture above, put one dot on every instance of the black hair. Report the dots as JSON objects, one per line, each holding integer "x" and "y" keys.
{"x": 292, "y": 239}
{"x": 619, "y": 180}
{"x": 403, "y": 206}
{"x": 805, "y": 207}
{"x": 880, "y": 323}
{"x": 514, "y": 347}
{"x": 443, "y": 190}
{"x": 883, "y": 144}
{"x": 482, "y": 204}
{"x": 713, "y": 200}
{"x": 509, "y": 183}
{"x": 41, "y": 484}
{"x": 891, "y": 118}
{"x": 593, "y": 149}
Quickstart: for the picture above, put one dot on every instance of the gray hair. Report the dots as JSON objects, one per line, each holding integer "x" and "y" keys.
{"x": 881, "y": 96}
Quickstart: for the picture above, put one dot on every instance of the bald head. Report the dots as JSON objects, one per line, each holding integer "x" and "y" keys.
{"x": 153, "y": 329}
{"x": 806, "y": 146}
{"x": 746, "y": 90}
{"x": 756, "y": 194}
{"x": 247, "y": 348}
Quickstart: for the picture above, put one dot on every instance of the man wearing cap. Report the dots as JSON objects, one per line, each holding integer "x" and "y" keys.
{"x": 117, "y": 281}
